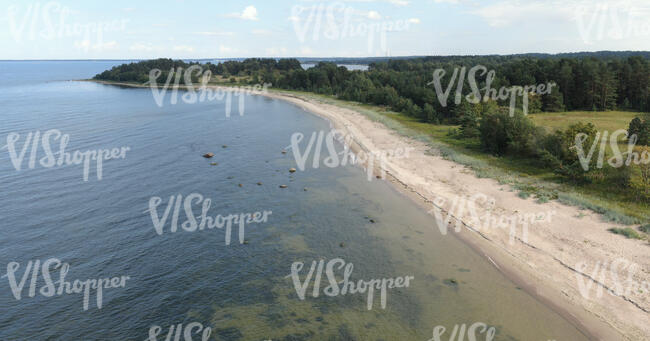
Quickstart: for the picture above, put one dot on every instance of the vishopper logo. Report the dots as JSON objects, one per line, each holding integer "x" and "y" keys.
{"x": 341, "y": 158}
{"x": 615, "y": 271}
{"x": 336, "y": 21}
{"x": 461, "y": 207}
{"x": 60, "y": 157}
{"x": 204, "y": 220}
{"x": 459, "y": 332}
{"x": 175, "y": 332}
{"x": 348, "y": 286}
{"x": 201, "y": 94}
{"x": 598, "y": 21}
{"x": 504, "y": 93}
{"x": 49, "y": 288}
{"x": 52, "y": 21}
{"x": 619, "y": 159}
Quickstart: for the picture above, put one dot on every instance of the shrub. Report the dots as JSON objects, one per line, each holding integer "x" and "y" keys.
{"x": 627, "y": 232}
{"x": 640, "y": 128}
{"x": 560, "y": 152}
{"x": 469, "y": 124}
{"x": 645, "y": 228}
{"x": 640, "y": 179}
{"x": 501, "y": 134}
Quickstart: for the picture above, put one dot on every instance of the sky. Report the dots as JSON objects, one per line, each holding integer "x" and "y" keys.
{"x": 121, "y": 29}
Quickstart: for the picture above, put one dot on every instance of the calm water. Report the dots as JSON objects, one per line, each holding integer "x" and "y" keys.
{"x": 102, "y": 229}
{"x": 351, "y": 67}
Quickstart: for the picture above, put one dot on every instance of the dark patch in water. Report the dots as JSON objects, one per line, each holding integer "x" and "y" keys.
{"x": 344, "y": 334}
{"x": 451, "y": 282}
{"x": 229, "y": 334}
{"x": 464, "y": 270}
{"x": 299, "y": 337}
{"x": 430, "y": 278}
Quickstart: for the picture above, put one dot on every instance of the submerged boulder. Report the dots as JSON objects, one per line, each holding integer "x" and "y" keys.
{"x": 208, "y": 155}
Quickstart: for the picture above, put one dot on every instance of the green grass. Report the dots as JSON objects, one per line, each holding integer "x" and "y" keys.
{"x": 603, "y": 120}
{"x": 627, "y": 232}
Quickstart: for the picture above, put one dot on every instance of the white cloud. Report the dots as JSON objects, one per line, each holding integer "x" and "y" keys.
{"x": 249, "y": 13}
{"x": 276, "y": 51}
{"x": 227, "y": 50}
{"x": 394, "y": 2}
{"x": 306, "y": 51}
{"x": 141, "y": 47}
{"x": 510, "y": 12}
{"x": 107, "y": 45}
{"x": 214, "y": 33}
{"x": 87, "y": 45}
{"x": 373, "y": 15}
{"x": 261, "y": 32}
{"x": 183, "y": 48}
{"x": 414, "y": 21}
{"x": 293, "y": 18}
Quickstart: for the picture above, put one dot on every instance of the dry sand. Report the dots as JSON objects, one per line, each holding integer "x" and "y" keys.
{"x": 548, "y": 263}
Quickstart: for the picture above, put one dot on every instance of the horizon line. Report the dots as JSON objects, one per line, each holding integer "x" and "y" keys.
{"x": 311, "y": 57}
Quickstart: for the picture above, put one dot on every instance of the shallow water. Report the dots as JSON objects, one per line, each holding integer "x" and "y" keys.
{"x": 242, "y": 291}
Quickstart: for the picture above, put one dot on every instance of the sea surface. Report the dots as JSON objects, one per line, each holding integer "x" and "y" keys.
{"x": 242, "y": 291}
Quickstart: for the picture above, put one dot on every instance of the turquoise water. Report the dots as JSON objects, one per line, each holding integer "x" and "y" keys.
{"x": 241, "y": 291}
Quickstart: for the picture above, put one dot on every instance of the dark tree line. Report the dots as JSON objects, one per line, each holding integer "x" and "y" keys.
{"x": 597, "y": 81}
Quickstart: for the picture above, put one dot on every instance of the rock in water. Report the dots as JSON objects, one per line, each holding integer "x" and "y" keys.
{"x": 208, "y": 155}
{"x": 283, "y": 186}
{"x": 292, "y": 170}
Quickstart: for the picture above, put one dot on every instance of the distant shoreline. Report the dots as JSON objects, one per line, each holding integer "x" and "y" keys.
{"x": 544, "y": 266}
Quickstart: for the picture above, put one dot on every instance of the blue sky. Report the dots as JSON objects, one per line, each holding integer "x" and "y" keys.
{"x": 120, "y": 29}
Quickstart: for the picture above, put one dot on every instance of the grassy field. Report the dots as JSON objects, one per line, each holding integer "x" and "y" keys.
{"x": 603, "y": 120}
{"x": 525, "y": 175}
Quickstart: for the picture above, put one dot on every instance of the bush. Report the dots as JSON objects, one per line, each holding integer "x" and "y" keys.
{"x": 492, "y": 129}
{"x": 501, "y": 134}
{"x": 640, "y": 178}
{"x": 645, "y": 228}
{"x": 627, "y": 232}
{"x": 560, "y": 153}
{"x": 640, "y": 128}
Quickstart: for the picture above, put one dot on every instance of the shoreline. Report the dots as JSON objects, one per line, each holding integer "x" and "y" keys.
{"x": 544, "y": 265}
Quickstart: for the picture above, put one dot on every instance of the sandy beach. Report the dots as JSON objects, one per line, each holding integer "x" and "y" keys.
{"x": 557, "y": 261}
{"x": 568, "y": 260}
